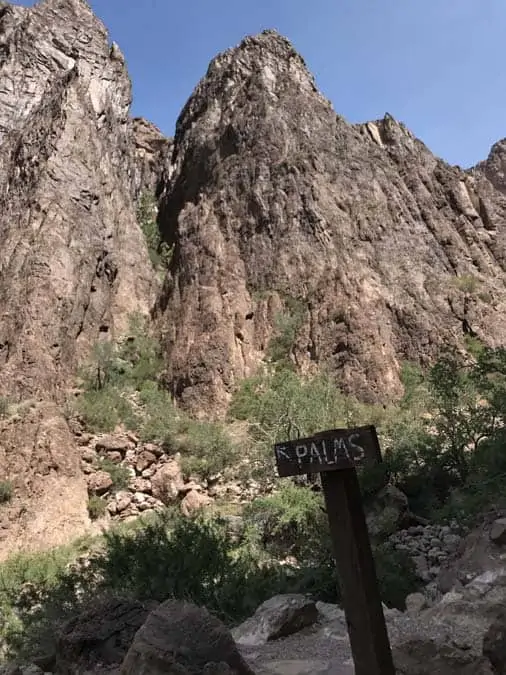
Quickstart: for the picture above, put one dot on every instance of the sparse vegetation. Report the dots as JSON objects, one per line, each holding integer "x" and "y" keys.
{"x": 287, "y": 325}
{"x": 160, "y": 252}
{"x": 4, "y": 406}
{"x": 443, "y": 446}
{"x": 6, "y": 491}
{"x": 119, "y": 474}
{"x": 97, "y": 507}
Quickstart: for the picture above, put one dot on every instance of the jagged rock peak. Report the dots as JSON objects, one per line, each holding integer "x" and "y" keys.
{"x": 361, "y": 227}
{"x": 268, "y": 59}
{"x": 494, "y": 167}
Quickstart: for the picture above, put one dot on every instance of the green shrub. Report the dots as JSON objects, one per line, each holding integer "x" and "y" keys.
{"x": 97, "y": 507}
{"x": 120, "y": 475}
{"x": 286, "y": 326}
{"x": 206, "y": 449}
{"x": 5, "y": 491}
{"x": 191, "y": 559}
{"x": 4, "y": 406}
{"x": 289, "y": 520}
{"x": 159, "y": 421}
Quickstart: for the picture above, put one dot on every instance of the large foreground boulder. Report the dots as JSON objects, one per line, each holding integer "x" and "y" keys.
{"x": 278, "y": 617}
{"x": 494, "y": 643}
{"x": 179, "y": 638}
{"x": 100, "y": 636}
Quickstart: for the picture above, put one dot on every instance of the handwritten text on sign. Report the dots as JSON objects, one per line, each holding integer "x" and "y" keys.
{"x": 328, "y": 451}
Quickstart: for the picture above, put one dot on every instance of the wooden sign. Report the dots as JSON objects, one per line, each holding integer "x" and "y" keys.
{"x": 328, "y": 451}
{"x": 336, "y": 454}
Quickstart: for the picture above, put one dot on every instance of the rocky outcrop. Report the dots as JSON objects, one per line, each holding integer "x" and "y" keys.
{"x": 358, "y": 232}
{"x": 150, "y": 477}
{"x": 179, "y": 637}
{"x": 152, "y": 157}
{"x": 73, "y": 262}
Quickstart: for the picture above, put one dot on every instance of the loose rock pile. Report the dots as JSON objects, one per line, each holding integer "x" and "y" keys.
{"x": 155, "y": 478}
{"x": 429, "y": 546}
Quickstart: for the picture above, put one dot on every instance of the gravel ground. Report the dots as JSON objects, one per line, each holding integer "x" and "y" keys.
{"x": 317, "y": 650}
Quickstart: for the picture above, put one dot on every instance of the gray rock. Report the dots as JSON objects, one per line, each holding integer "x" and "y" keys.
{"x": 278, "y": 617}
{"x": 180, "y": 638}
{"x": 329, "y": 612}
{"x": 415, "y": 602}
{"x": 494, "y": 644}
{"x": 498, "y": 532}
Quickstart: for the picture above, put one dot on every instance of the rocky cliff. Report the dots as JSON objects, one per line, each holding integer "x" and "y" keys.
{"x": 73, "y": 262}
{"x": 353, "y": 242}
{"x": 277, "y": 204}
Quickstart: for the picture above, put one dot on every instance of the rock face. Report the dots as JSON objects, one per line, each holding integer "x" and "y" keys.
{"x": 357, "y": 231}
{"x": 73, "y": 262}
{"x": 179, "y": 637}
{"x": 152, "y": 154}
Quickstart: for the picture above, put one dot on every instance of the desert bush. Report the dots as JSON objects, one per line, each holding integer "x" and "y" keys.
{"x": 206, "y": 449}
{"x": 97, "y": 507}
{"x": 286, "y": 326}
{"x": 4, "y": 406}
{"x": 159, "y": 421}
{"x": 6, "y": 491}
{"x": 288, "y": 521}
{"x": 119, "y": 474}
{"x": 102, "y": 410}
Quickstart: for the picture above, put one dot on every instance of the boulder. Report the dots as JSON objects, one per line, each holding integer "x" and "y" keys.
{"x": 179, "y": 638}
{"x": 498, "y": 532}
{"x": 15, "y": 669}
{"x": 494, "y": 644}
{"x": 415, "y": 603}
{"x": 99, "y": 482}
{"x": 145, "y": 460}
{"x": 389, "y": 512}
{"x": 101, "y": 634}
{"x": 278, "y": 617}
{"x": 194, "y": 501}
{"x": 430, "y": 656}
{"x": 114, "y": 443}
{"x": 123, "y": 500}
{"x": 167, "y": 482}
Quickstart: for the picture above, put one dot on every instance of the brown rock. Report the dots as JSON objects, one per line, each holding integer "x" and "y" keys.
{"x": 114, "y": 443}
{"x": 152, "y": 156}
{"x": 167, "y": 482}
{"x": 356, "y": 231}
{"x": 194, "y": 501}
{"x": 178, "y": 637}
{"x": 114, "y": 456}
{"x": 66, "y": 159}
{"x": 139, "y": 484}
{"x": 88, "y": 455}
{"x": 123, "y": 500}
{"x": 99, "y": 482}
{"x": 145, "y": 460}
{"x": 154, "y": 448}
{"x": 49, "y": 507}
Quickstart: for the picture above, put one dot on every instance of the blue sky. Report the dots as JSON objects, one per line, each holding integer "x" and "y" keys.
{"x": 437, "y": 65}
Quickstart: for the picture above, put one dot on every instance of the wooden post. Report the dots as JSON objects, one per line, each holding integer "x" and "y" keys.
{"x": 335, "y": 454}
